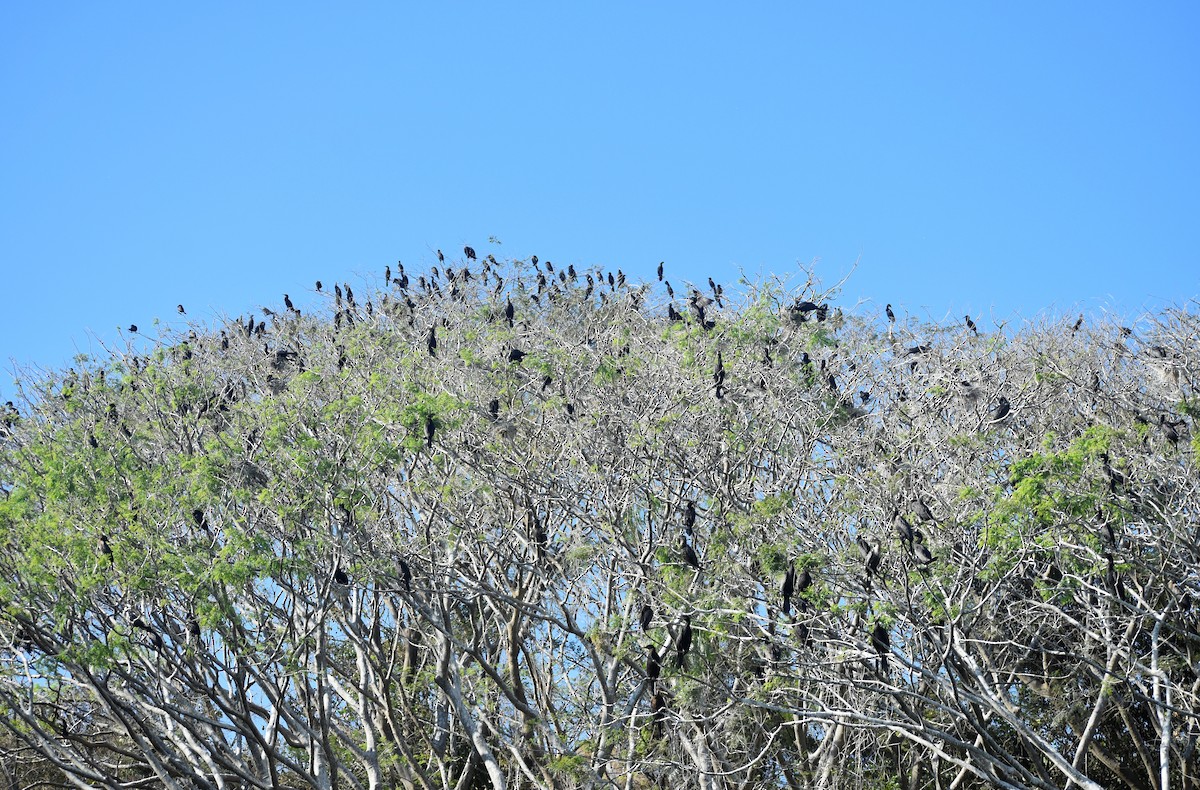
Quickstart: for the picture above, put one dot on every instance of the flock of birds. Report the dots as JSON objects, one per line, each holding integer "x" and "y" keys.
{"x": 794, "y": 585}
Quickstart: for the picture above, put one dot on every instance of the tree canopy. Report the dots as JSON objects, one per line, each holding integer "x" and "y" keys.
{"x": 513, "y": 525}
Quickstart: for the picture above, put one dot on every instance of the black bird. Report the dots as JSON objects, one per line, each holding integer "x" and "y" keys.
{"x": 719, "y": 377}
{"x": 470, "y": 253}
{"x": 670, "y": 290}
{"x": 689, "y": 515}
{"x": 922, "y": 511}
{"x": 789, "y": 586}
{"x": 340, "y": 577}
{"x": 653, "y": 664}
{"x": 200, "y": 519}
{"x": 922, "y": 553}
{"x": 903, "y": 529}
{"x": 1169, "y": 429}
{"x": 441, "y": 258}
{"x": 179, "y": 307}
{"x": 318, "y": 286}
{"x": 1001, "y": 411}
{"x": 971, "y": 324}
{"x": 105, "y": 548}
{"x": 429, "y": 431}
{"x": 881, "y": 641}
{"x": 646, "y": 617}
{"x": 672, "y": 314}
{"x": 516, "y": 355}
{"x": 870, "y": 555}
{"x": 891, "y": 316}
{"x": 683, "y": 642}
{"x": 689, "y": 554}
{"x": 660, "y": 271}
{"x": 658, "y": 712}
{"x": 865, "y": 396}
{"x": 92, "y": 441}
{"x": 612, "y": 282}
{"x": 1078, "y": 323}
{"x": 405, "y": 576}
{"x": 431, "y": 340}
{"x": 509, "y": 312}
{"x": 133, "y": 327}
{"x": 494, "y": 409}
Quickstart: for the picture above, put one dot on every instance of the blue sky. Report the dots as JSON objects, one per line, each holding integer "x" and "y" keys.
{"x": 1003, "y": 160}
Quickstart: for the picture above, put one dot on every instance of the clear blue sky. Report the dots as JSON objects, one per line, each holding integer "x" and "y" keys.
{"x": 1002, "y": 160}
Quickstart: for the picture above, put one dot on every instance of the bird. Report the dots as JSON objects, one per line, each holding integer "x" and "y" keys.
{"x": 660, "y": 271}
{"x": 689, "y": 515}
{"x": 1078, "y": 323}
{"x": 405, "y": 576}
{"x": 870, "y": 555}
{"x": 653, "y": 664}
{"x": 179, "y": 307}
{"x": 881, "y": 641}
{"x": 1169, "y": 429}
{"x": 431, "y": 340}
{"x": 645, "y": 617}
{"x": 494, "y": 409}
{"x": 430, "y": 427}
{"x": 470, "y": 253}
{"x": 922, "y": 511}
{"x": 1001, "y": 411}
{"x": 903, "y": 529}
{"x": 509, "y": 312}
{"x": 515, "y": 355}
{"x": 689, "y": 553}
{"x": 318, "y": 286}
{"x": 923, "y": 554}
{"x": 658, "y": 712}
{"x": 789, "y": 586}
{"x": 287, "y": 302}
{"x": 340, "y": 577}
{"x": 105, "y": 548}
{"x": 683, "y": 642}
{"x": 891, "y": 316}
{"x": 200, "y": 519}
{"x": 441, "y": 258}
{"x": 719, "y": 377}
{"x": 133, "y": 328}
{"x": 971, "y": 324}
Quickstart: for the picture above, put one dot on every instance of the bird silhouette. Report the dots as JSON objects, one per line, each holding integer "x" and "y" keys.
{"x": 683, "y": 642}
{"x": 179, "y": 307}
{"x": 470, "y": 253}
{"x": 1078, "y": 323}
{"x": 871, "y": 555}
{"x": 431, "y": 340}
{"x": 660, "y": 271}
{"x": 881, "y": 642}
{"x": 287, "y": 302}
{"x": 689, "y": 553}
{"x": 1001, "y": 411}
{"x": 903, "y": 529}
{"x": 645, "y": 617}
{"x": 430, "y": 428}
{"x": 788, "y": 587}
{"x": 515, "y": 355}
{"x": 405, "y": 576}
{"x": 971, "y": 324}
{"x": 689, "y": 515}
{"x": 891, "y": 316}
{"x": 133, "y": 328}
{"x": 340, "y": 577}
{"x": 509, "y": 312}
{"x": 318, "y": 286}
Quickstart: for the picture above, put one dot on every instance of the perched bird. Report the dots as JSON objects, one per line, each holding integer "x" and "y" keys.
{"x": 441, "y": 258}
{"x": 870, "y": 555}
{"x": 470, "y": 253}
{"x": 340, "y": 577}
{"x": 287, "y": 302}
{"x": 789, "y": 586}
{"x": 922, "y": 511}
{"x": 719, "y": 377}
{"x": 689, "y": 515}
{"x": 903, "y": 529}
{"x": 881, "y": 641}
{"x": 179, "y": 307}
{"x": 201, "y": 519}
{"x": 891, "y": 316}
{"x": 105, "y": 548}
{"x": 133, "y": 327}
{"x": 683, "y": 642}
{"x": 660, "y": 271}
{"x": 1078, "y": 323}
{"x": 318, "y": 286}
{"x": 515, "y": 355}
{"x": 971, "y": 324}
{"x": 494, "y": 409}
{"x": 509, "y": 312}
{"x": 431, "y": 340}
{"x": 646, "y": 617}
{"x": 1001, "y": 411}
{"x": 653, "y": 664}
{"x": 923, "y": 554}
{"x": 689, "y": 554}
{"x": 430, "y": 427}
{"x": 405, "y": 576}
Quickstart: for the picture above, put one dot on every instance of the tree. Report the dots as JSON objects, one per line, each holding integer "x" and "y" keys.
{"x": 316, "y": 554}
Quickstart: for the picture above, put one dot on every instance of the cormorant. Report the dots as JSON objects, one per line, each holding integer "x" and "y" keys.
{"x": 179, "y": 307}
{"x": 689, "y": 515}
{"x": 903, "y": 529}
{"x": 318, "y": 286}
{"x": 431, "y": 340}
{"x": 509, "y": 312}
{"x": 891, "y": 316}
{"x": 971, "y": 324}
{"x": 287, "y": 302}
{"x": 789, "y": 586}
{"x": 922, "y": 511}
{"x": 516, "y": 355}
{"x": 683, "y": 642}
{"x": 653, "y": 664}
{"x": 1078, "y": 323}
{"x": 689, "y": 554}
{"x": 106, "y": 549}
{"x": 660, "y": 271}
{"x": 470, "y": 253}
{"x": 429, "y": 430}
{"x": 881, "y": 641}
{"x": 133, "y": 327}
{"x": 340, "y": 577}
{"x": 494, "y": 409}
{"x": 1001, "y": 411}
{"x": 870, "y": 555}
{"x": 646, "y": 617}
{"x": 441, "y": 258}
{"x": 405, "y": 576}
{"x": 922, "y": 553}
